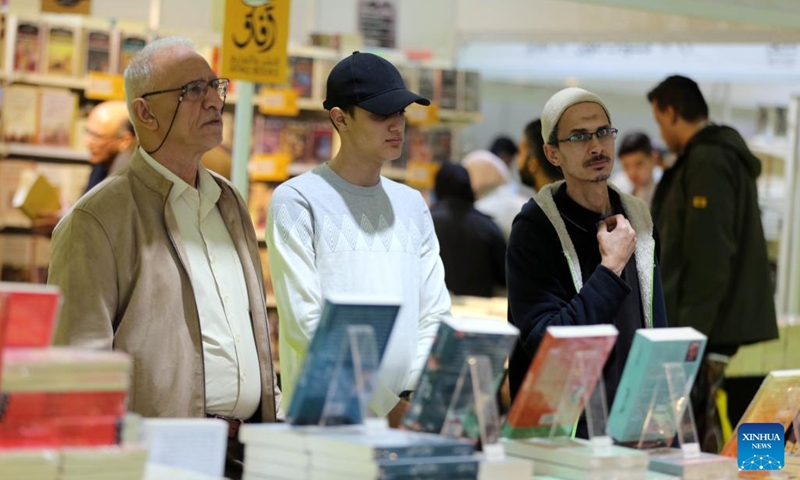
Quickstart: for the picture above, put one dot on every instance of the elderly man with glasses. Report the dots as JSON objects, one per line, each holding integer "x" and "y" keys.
{"x": 581, "y": 252}
{"x": 161, "y": 261}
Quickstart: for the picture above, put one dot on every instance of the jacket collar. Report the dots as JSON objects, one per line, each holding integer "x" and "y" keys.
{"x": 638, "y": 215}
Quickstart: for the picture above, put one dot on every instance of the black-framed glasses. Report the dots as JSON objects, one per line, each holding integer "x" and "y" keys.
{"x": 603, "y": 134}
{"x": 197, "y": 89}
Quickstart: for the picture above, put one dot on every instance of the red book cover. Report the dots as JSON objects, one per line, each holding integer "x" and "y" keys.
{"x": 31, "y": 314}
{"x": 554, "y": 391}
{"x": 59, "y": 432}
{"x": 22, "y": 407}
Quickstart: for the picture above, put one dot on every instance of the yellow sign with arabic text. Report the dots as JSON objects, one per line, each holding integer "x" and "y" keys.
{"x": 104, "y": 86}
{"x": 254, "y": 40}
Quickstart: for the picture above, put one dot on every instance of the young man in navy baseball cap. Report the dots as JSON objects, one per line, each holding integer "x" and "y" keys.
{"x": 345, "y": 229}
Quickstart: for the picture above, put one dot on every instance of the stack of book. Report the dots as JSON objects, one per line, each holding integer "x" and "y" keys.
{"x": 54, "y": 397}
{"x": 62, "y": 410}
{"x": 353, "y": 452}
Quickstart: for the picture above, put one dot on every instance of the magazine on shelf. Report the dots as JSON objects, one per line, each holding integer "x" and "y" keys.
{"x": 61, "y": 50}
{"x": 642, "y": 409}
{"x": 27, "y": 47}
{"x": 98, "y": 51}
{"x": 560, "y": 380}
{"x": 20, "y": 102}
{"x": 328, "y": 362}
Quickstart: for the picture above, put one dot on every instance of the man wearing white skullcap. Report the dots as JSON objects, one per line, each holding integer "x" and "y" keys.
{"x": 581, "y": 252}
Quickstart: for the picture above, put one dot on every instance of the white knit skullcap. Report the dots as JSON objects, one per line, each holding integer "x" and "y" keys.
{"x": 486, "y": 171}
{"x": 560, "y": 102}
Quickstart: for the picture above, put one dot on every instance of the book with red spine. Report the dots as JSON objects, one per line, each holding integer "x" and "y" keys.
{"x": 31, "y": 313}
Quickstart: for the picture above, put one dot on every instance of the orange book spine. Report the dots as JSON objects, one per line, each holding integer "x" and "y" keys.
{"x": 30, "y": 406}
{"x": 73, "y": 432}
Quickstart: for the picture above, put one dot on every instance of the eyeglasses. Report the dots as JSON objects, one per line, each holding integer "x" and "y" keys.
{"x": 603, "y": 134}
{"x": 197, "y": 89}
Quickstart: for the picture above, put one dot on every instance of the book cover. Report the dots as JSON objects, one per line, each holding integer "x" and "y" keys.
{"x": 294, "y": 141}
{"x": 324, "y": 353}
{"x": 129, "y": 45}
{"x": 449, "y": 94}
{"x": 302, "y": 71}
{"x": 470, "y": 92}
{"x": 61, "y": 51}
{"x": 98, "y": 51}
{"x": 400, "y": 468}
{"x": 643, "y": 400}
{"x": 27, "y": 464}
{"x": 31, "y": 313}
{"x": 27, "y": 48}
{"x": 456, "y": 341}
{"x": 555, "y": 383}
{"x": 20, "y": 102}
{"x": 771, "y": 404}
{"x": 430, "y": 84}
{"x": 35, "y": 196}
{"x": 57, "y": 111}
{"x": 320, "y": 142}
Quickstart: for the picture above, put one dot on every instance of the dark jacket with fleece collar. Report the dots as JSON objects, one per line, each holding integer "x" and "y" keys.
{"x": 716, "y": 273}
{"x": 555, "y": 278}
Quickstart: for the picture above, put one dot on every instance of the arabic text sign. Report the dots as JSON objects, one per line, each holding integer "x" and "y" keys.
{"x": 254, "y": 40}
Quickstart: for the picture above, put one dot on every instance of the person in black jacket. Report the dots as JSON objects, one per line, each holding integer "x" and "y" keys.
{"x": 581, "y": 252}
{"x": 471, "y": 245}
{"x": 716, "y": 271}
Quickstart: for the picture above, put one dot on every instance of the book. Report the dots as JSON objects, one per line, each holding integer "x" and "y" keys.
{"x": 27, "y": 48}
{"x": 110, "y": 461}
{"x": 20, "y": 102}
{"x": 449, "y": 95}
{"x": 98, "y": 51}
{"x": 302, "y": 73}
{"x": 30, "y": 315}
{"x": 457, "y": 340}
{"x": 433, "y": 466}
{"x": 470, "y": 92}
{"x": 327, "y": 350}
{"x": 35, "y": 196}
{"x": 16, "y": 407}
{"x": 557, "y": 387}
{"x": 129, "y": 45}
{"x": 193, "y": 444}
{"x": 61, "y": 50}
{"x": 771, "y": 404}
{"x": 29, "y": 464}
{"x": 57, "y": 111}
{"x": 64, "y": 369}
{"x": 576, "y": 453}
{"x": 706, "y": 466}
{"x": 62, "y": 432}
{"x": 507, "y": 468}
{"x": 642, "y": 409}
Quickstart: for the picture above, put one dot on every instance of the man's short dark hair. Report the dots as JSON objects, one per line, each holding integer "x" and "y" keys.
{"x": 533, "y": 137}
{"x": 503, "y": 146}
{"x": 635, "y": 142}
{"x": 683, "y": 95}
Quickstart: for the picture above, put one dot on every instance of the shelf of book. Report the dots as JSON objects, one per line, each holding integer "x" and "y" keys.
{"x": 44, "y": 153}
{"x": 45, "y": 80}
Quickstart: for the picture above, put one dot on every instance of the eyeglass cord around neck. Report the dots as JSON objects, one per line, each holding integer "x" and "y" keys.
{"x": 174, "y": 114}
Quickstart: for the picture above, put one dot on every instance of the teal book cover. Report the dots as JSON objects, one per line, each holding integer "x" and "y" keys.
{"x": 642, "y": 409}
{"x": 457, "y": 340}
{"x": 329, "y": 348}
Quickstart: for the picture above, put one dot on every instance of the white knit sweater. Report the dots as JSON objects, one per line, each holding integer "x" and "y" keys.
{"x": 328, "y": 237}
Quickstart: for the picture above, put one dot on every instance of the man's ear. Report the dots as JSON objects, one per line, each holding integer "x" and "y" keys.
{"x": 552, "y": 154}
{"x": 339, "y": 118}
{"x": 142, "y": 114}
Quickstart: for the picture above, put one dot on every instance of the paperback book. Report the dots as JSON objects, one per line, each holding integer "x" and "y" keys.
{"x": 560, "y": 380}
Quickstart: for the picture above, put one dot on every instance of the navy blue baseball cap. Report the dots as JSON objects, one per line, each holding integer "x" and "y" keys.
{"x": 370, "y": 82}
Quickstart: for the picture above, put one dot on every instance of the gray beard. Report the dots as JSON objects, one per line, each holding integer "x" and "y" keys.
{"x": 601, "y": 178}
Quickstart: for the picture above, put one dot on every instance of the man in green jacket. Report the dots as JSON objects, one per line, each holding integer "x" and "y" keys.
{"x": 713, "y": 253}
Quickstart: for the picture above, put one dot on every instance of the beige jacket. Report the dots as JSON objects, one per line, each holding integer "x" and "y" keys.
{"x": 126, "y": 286}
